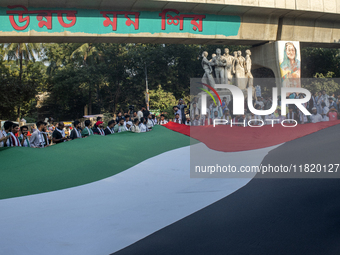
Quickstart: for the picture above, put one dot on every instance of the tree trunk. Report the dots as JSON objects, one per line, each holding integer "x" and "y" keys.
{"x": 90, "y": 102}
{"x": 20, "y": 85}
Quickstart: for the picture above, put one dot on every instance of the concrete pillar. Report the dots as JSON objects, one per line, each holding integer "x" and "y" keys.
{"x": 271, "y": 55}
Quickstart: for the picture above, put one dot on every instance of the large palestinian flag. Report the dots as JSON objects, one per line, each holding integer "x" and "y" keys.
{"x": 132, "y": 193}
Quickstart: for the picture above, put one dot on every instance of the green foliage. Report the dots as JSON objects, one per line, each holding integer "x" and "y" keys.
{"x": 324, "y": 82}
{"x": 160, "y": 99}
{"x": 110, "y": 77}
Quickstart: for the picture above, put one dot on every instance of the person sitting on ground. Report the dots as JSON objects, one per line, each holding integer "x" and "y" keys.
{"x": 142, "y": 125}
{"x": 58, "y": 135}
{"x": 315, "y": 117}
{"x": 109, "y": 129}
{"x": 87, "y": 131}
{"x": 13, "y": 141}
{"x": 162, "y": 121}
{"x": 76, "y": 131}
{"x": 120, "y": 126}
{"x": 177, "y": 119}
{"x": 332, "y": 114}
{"x": 38, "y": 140}
{"x": 135, "y": 127}
{"x": 99, "y": 130}
{"x": 23, "y": 138}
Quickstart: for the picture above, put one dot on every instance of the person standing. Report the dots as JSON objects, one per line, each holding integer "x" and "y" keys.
{"x": 13, "y": 141}
{"x": 135, "y": 127}
{"x": 37, "y": 139}
{"x": 58, "y": 135}
{"x": 120, "y": 126}
{"x": 128, "y": 126}
{"x": 142, "y": 126}
{"x": 332, "y": 103}
{"x": 109, "y": 129}
{"x": 87, "y": 131}
{"x": 181, "y": 107}
{"x": 5, "y": 134}
{"x": 177, "y": 119}
{"x": 315, "y": 117}
{"x": 140, "y": 112}
{"x": 162, "y": 121}
{"x": 76, "y": 131}
{"x": 23, "y": 139}
{"x": 99, "y": 128}
{"x": 332, "y": 114}
{"x": 291, "y": 115}
{"x": 324, "y": 112}
{"x": 150, "y": 123}
{"x": 324, "y": 98}
{"x": 318, "y": 100}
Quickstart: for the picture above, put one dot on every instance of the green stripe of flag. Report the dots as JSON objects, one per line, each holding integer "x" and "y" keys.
{"x": 26, "y": 171}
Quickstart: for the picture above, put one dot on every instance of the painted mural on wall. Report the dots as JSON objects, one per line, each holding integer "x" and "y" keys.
{"x": 18, "y": 18}
{"x": 290, "y": 63}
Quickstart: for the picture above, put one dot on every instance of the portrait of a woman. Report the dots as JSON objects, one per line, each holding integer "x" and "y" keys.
{"x": 290, "y": 67}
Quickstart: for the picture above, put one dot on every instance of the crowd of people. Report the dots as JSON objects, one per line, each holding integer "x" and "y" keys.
{"x": 46, "y": 134}
{"x": 322, "y": 107}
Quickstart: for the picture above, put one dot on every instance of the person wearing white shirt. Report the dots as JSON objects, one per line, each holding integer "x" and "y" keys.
{"x": 255, "y": 120}
{"x": 315, "y": 117}
{"x": 4, "y": 134}
{"x": 324, "y": 98}
{"x": 37, "y": 139}
{"x": 120, "y": 126}
{"x": 162, "y": 121}
{"x": 142, "y": 126}
{"x": 194, "y": 111}
{"x": 177, "y": 111}
{"x": 177, "y": 119}
{"x": 227, "y": 117}
{"x": 140, "y": 113}
{"x": 150, "y": 123}
{"x": 128, "y": 125}
{"x": 324, "y": 112}
{"x": 259, "y": 102}
{"x": 196, "y": 121}
{"x": 135, "y": 128}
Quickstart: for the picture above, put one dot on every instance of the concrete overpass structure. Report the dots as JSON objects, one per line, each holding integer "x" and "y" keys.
{"x": 257, "y": 23}
{"x": 254, "y": 22}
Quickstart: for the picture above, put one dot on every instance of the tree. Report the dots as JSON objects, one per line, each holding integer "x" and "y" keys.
{"x": 160, "y": 99}
{"x": 21, "y": 52}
